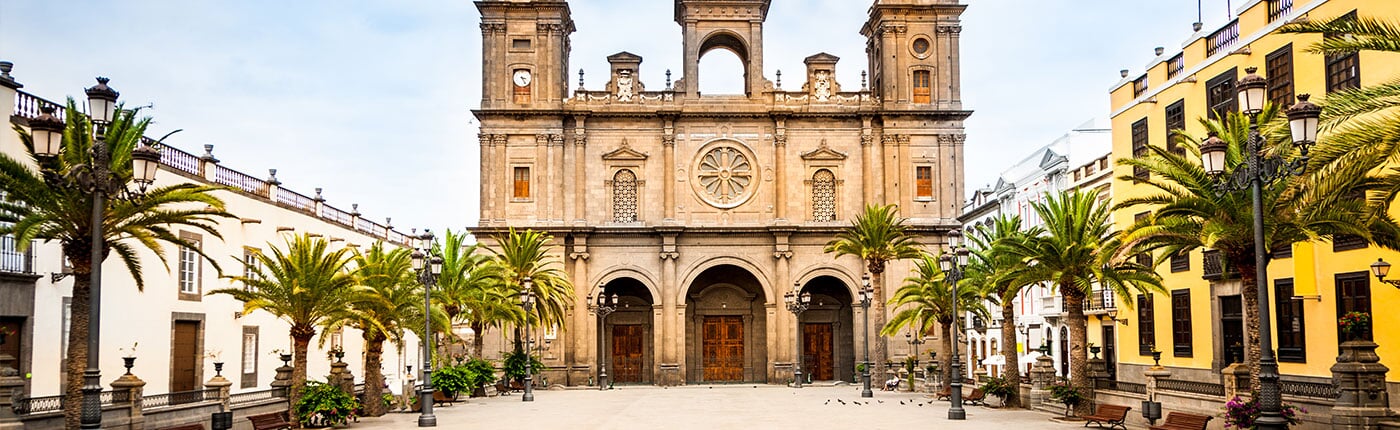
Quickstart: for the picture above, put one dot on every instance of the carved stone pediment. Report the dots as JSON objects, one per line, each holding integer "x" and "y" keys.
{"x": 625, "y": 153}
{"x": 824, "y": 152}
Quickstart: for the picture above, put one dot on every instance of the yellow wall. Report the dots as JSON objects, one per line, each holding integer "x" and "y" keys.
{"x": 1309, "y": 78}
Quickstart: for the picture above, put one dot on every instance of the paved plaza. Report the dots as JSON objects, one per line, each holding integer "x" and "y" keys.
{"x": 715, "y": 407}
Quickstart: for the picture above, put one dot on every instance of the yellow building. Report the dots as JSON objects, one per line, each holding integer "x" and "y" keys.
{"x": 1198, "y": 323}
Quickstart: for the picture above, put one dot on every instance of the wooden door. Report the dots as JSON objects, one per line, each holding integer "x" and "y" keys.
{"x": 817, "y": 351}
{"x": 1110, "y": 348}
{"x": 723, "y": 348}
{"x": 627, "y": 353}
{"x": 1232, "y": 329}
{"x": 11, "y": 343}
{"x": 184, "y": 357}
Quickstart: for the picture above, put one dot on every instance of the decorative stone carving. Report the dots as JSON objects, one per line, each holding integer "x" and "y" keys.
{"x": 490, "y": 28}
{"x": 624, "y": 86}
{"x": 579, "y": 256}
{"x": 825, "y": 152}
{"x": 780, "y": 140}
{"x": 625, "y": 153}
{"x": 556, "y": 140}
{"x": 724, "y": 176}
{"x": 782, "y": 255}
{"x": 867, "y": 139}
{"x": 670, "y": 255}
{"x": 498, "y": 140}
{"x": 821, "y": 88}
{"x": 668, "y": 140}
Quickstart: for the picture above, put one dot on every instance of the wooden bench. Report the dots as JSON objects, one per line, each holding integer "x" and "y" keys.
{"x": 1183, "y": 421}
{"x": 945, "y": 394}
{"x": 978, "y": 397}
{"x": 272, "y": 421}
{"x": 1113, "y": 415}
{"x": 192, "y": 426}
{"x": 440, "y": 398}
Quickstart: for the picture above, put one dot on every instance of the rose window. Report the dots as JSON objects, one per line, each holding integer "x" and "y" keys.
{"x": 724, "y": 177}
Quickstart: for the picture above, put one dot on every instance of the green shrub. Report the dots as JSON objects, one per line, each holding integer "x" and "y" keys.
{"x": 998, "y": 387}
{"x": 326, "y": 402}
{"x": 515, "y": 366}
{"x": 483, "y": 371}
{"x": 1065, "y": 393}
{"x": 453, "y": 379}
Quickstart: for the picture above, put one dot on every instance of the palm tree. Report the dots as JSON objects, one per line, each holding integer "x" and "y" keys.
{"x": 1077, "y": 251}
{"x": 387, "y": 299}
{"x": 877, "y": 236}
{"x": 526, "y": 253}
{"x": 995, "y": 272}
{"x": 470, "y": 289}
{"x": 926, "y": 298}
{"x": 39, "y": 207}
{"x": 306, "y": 284}
{"x": 1192, "y": 213}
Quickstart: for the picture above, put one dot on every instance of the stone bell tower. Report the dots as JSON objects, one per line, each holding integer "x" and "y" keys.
{"x": 736, "y": 25}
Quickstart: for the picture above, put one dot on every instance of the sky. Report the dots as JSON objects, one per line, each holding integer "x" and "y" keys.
{"x": 371, "y": 99}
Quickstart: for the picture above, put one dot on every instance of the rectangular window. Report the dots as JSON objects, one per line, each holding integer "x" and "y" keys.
{"x": 923, "y": 178}
{"x": 190, "y": 267}
{"x": 1143, "y": 259}
{"x": 1147, "y": 333}
{"x": 249, "y": 363}
{"x": 522, "y": 183}
{"x": 922, "y": 86}
{"x": 1354, "y": 295}
{"x": 1292, "y": 345}
{"x": 1347, "y": 242}
{"x": 1279, "y": 69}
{"x": 1181, "y": 323}
{"x": 1344, "y": 70}
{"x": 1181, "y": 262}
{"x": 1140, "y": 146}
{"x": 1220, "y": 94}
{"x": 1285, "y": 251}
{"x": 520, "y": 44}
{"x": 251, "y": 266}
{"x": 1176, "y": 121}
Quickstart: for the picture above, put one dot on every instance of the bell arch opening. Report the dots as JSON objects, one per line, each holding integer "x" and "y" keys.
{"x": 728, "y": 68}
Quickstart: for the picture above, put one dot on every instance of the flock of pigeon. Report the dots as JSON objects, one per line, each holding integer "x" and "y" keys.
{"x": 867, "y": 402}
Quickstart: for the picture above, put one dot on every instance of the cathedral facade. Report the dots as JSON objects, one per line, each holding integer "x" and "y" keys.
{"x": 701, "y": 211}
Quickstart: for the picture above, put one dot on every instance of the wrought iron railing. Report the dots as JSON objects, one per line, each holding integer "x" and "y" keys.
{"x": 177, "y": 159}
{"x": 1316, "y": 390}
{"x": 12, "y": 260}
{"x": 239, "y": 180}
{"x": 37, "y": 405}
{"x": 180, "y": 398}
{"x": 27, "y": 105}
{"x": 295, "y": 200}
{"x": 1223, "y": 38}
{"x": 1175, "y": 65}
{"x": 339, "y": 216}
{"x": 252, "y": 396}
{"x": 1130, "y": 387}
{"x": 1279, "y": 9}
{"x": 1099, "y": 299}
{"x": 1194, "y": 387}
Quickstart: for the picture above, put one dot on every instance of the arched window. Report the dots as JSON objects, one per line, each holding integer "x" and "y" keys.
{"x": 823, "y": 196}
{"x": 624, "y": 188}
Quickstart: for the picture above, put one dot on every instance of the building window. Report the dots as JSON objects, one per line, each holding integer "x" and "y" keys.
{"x": 1279, "y": 68}
{"x": 1175, "y": 122}
{"x": 1285, "y": 251}
{"x": 1354, "y": 295}
{"x": 1347, "y": 242}
{"x": 1147, "y": 333}
{"x": 249, "y": 362}
{"x": 522, "y": 183}
{"x": 824, "y": 196}
{"x": 520, "y": 44}
{"x": 923, "y": 179}
{"x": 1220, "y": 94}
{"x": 1143, "y": 259}
{"x": 624, "y": 188}
{"x": 252, "y": 267}
{"x": 922, "y": 85}
{"x": 1181, "y": 323}
{"x": 1344, "y": 70}
{"x": 190, "y": 267}
{"x": 1292, "y": 345}
{"x": 1140, "y": 147}
{"x": 1181, "y": 262}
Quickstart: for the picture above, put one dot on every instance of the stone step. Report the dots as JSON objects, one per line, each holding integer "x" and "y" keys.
{"x": 1390, "y": 425}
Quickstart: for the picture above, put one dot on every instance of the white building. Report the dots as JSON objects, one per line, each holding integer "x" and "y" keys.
{"x": 1078, "y": 159}
{"x": 177, "y": 332}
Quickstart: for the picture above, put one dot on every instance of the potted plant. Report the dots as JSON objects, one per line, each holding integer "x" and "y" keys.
{"x": 1354, "y": 324}
{"x": 514, "y": 366}
{"x": 1240, "y": 414}
{"x": 324, "y": 405}
{"x": 1063, "y": 392}
{"x": 453, "y": 379}
{"x": 998, "y": 387}
{"x": 483, "y": 374}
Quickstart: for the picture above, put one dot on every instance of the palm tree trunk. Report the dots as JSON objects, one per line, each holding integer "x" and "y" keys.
{"x": 374, "y": 377}
{"x": 947, "y": 369}
{"x": 877, "y": 282}
{"x": 1078, "y": 338}
{"x": 1249, "y": 289}
{"x": 301, "y": 340}
{"x": 1012, "y": 374}
{"x": 77, "y": 342}
{"x": 478, "y": 339}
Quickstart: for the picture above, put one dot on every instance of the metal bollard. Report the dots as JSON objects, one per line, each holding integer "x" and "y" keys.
{"x": 221, "y": 421}
{"x": 1152, "y": 411}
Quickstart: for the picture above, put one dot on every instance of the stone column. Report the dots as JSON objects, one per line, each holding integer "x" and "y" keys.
{"x": 867, "y": 182}
{"x": 1359, "y": 377}
{"x": 559, "y": 181}
{"x": 207, "y": 163}
{"x": 1098, "y": 371}
{"x": 1235, "y": 378}
{"x": 582, "y": 341}
{"x": 500, "y": 155}
{"x": 1042, "y": 376}
{"x": 485, "y": 196}
{"x": 668, "y": 187}
{"x": 579, "y": 188}
{"x": 282, "y": 382}
{"x": 780, "y": 172}
{"x": 1154, "y": 374}
{"x": 10, "y": 386}
{"x": 219, "y": 382}
{"x": 673, "y": 312}
{"x": 135, "y": 394}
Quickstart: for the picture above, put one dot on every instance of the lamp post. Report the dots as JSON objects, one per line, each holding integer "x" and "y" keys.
{"x": 797, "y": 304}
{"x": 914, "y": 342}
{"x": 429, "y": 267}
{"x": 867, "y": 293}
{"x": 952, "y": 265}
{"x": 527, "y": 301}
{"x": 604, "y": 306}
{"x": 1257, "y": 171}
{"x": 97, "y": 179}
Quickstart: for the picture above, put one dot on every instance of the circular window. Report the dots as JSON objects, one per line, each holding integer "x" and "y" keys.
{"x": 921, "y": 46}
{"x": 725, "y": 176}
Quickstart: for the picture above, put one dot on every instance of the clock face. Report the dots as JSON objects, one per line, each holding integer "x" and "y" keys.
{"x": 522, "y": 78}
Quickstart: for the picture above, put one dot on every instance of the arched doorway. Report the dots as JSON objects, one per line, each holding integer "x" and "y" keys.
{"x": 627, "y": 333}
{"x": 726, "y": 327}
{"x": 826, "y": 332}
{"x": 1064, "y": 351}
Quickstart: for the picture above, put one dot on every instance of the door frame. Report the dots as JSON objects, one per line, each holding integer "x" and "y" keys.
{"x": 198, "y": 319}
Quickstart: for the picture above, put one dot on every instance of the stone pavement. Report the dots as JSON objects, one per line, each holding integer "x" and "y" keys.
{"x": 715, "y": 407}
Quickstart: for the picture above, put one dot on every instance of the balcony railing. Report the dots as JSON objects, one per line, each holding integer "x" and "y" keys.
{"x": 1194, "y": 387}
{"x": 1109, "y": 384}
{"x": 181, "y": 397}
{"x": 1212, "y": 266}
{"x": 1316, "y": 390}
{"x": 239, "y": 180}
{"x": 1279, "y": 9}
{"x": 1223, "y": 38}
{"x": 1175, "y": 65}
{"x": 27, "y": 105}
{"x": 12, "y": 260}
{"x": 1100, "y": 299}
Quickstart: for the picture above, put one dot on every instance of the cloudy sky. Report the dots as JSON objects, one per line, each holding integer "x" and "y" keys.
{"x": 371, "y": 99}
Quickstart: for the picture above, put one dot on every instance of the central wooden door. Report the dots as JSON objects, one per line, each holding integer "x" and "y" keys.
{"x": 627, "y": 353}
{"x": 816, "y": 351}
{"x": 184, "y": 357}
{"x": 723, "y": 348}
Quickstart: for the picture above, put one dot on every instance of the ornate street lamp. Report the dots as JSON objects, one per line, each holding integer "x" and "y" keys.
{"x": 867, "y": 293}
{"x": 527, "y": 301}
{"x": 953, "y": 264}
{"x": 797, "y": 304}
{"x": 604, "y": 306}
{"x": 429, "y": 267}
{"x": 1257, "y": 171}
{"x": 94, "y": 178}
